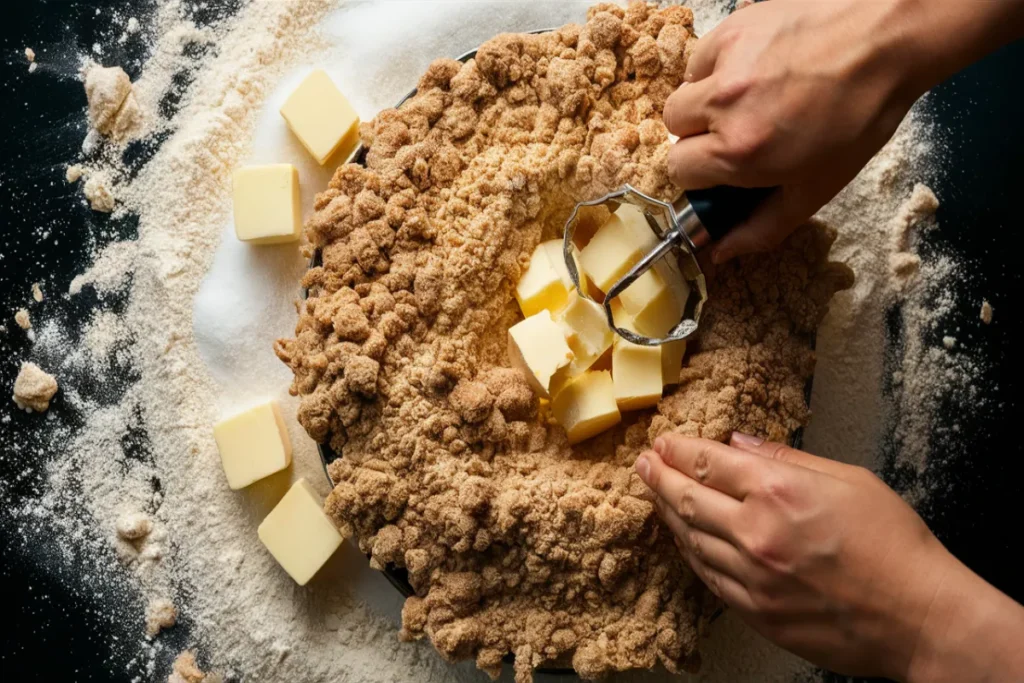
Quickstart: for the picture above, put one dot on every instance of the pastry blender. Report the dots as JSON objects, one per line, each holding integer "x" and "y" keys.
{"x": 684, "y": 226}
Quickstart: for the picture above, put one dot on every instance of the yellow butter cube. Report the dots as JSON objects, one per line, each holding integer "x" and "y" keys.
{"x": 617, "y": 246}
{"x": 586, "y": 330}
{"x": 322, "y": 118}
{"x": 635, "y": 222}
{"x": 537, "y": 346}
{"x": 672, "y": 355}
{"x": 299, "y": 534}
{"x": 656, "y": 300}
{"x": 546, "y": 283}
{"x": 637, "y": 375}
{"x": 267, "y": 206}
{"x": 585, "y": 406}
{"x": 253, "y": 444}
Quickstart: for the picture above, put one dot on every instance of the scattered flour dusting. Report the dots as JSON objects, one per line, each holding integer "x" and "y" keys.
{"x": 139, "y": 491}
{"x": 111, "y": 269}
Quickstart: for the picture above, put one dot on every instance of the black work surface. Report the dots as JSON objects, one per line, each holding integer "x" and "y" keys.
{"x": 56, "y": 632}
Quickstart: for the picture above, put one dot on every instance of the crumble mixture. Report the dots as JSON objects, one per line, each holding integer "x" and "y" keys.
{"x": 515, "y": 542}
{"x": 33, "y": 388}
{"x": 21, "y": 317}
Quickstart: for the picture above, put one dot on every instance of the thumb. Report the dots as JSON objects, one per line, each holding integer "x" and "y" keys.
{"x": 784, "y": 453}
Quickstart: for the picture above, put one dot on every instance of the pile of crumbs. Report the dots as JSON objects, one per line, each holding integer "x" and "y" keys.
{"x": 450, "y": 469}
{"x": 120, "y": 495}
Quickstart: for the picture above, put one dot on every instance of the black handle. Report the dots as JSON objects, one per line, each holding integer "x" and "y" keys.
{"x": 722, "y": 208}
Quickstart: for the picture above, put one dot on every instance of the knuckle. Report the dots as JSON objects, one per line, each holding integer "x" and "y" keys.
{"x": 685, "y": 506}
{"x": 692, "y": 541}
{"x": 780, "y": 451}
{"x": 746, "y": 141}
{"x": 702, "y": 464}
{"x": 761, "y": 549}
{"x": 710, "y": 580}
{"x": 654, "y": 476}
{"x": 773, "y": 489}
{"x": 730, "y": 88}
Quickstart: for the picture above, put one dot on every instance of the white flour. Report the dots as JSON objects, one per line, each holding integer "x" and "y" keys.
{"x": 203, "y": 310}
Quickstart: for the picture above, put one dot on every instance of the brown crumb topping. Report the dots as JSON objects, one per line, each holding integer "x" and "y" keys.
{"x": 514, "y": 541}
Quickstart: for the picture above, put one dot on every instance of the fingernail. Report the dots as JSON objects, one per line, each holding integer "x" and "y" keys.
{"x": 643, "y": 467}
{"x": 719, "y": 256}
{"x": 741, "y": 439}
{"x": 660, "y": 446}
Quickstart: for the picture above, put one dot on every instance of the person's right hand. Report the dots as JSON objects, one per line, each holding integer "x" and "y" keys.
{"x": 827, "y": 561}
{"x": 800, "y": 95}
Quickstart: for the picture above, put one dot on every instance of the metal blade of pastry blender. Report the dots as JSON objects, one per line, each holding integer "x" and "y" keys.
{"x": 686, "y": 225}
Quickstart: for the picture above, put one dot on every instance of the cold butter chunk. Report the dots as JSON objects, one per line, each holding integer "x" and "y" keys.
{"x": 253, "y": 444}
{"x": 537, "y": 346}
{"x": 617, "y": 246}
{"x": 546, "y": 283}
{"x": 656, "y": 300}
{"x": 672, "y": 353}
{"x": 267, "y": 206}
{"x": 586, "y": 330}
{"x": 322, "y": 118}
{"x": 298, "y": 533}
{"x": 637, "y": 375}
{"x": 585, "y": 406}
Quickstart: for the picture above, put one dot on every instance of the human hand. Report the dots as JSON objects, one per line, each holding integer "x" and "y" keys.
{"x": 827, "y": 561}
{"x": 800, "y": 95}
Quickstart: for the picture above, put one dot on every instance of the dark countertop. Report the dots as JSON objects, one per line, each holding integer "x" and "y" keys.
{"x": 56, "y": 628}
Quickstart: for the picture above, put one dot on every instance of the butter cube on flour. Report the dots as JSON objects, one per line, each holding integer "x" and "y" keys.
{"x": 537, "y": 346}
{"x": 585, "y": 406}
{"x": 586, "y": 330}
{"x": 253, "y": 444}
{"x": 267, "y": 206}
{"x": 322, "y": 118}
{"x": 617, "y": 246}
{"x": 546, "y": 283}
{"x": 299, "y": 534}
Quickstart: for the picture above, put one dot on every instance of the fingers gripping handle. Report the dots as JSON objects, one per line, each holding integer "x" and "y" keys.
{"x": 722, "y": 208}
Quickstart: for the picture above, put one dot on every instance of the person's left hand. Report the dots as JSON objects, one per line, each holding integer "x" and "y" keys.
{"x": 821, "y": 557}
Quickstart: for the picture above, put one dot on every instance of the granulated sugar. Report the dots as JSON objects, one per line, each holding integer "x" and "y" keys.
{"x": 186, "y": 351}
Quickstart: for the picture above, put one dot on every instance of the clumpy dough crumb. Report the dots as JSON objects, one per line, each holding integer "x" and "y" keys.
{"x": 113, "y": 109}
{"x": 986, "y": 312}
{"x": 97, "y": 191}
{"x": 160, "y": 614}
{"x": 33, "y": 388}
{"x": 30, "y": 55}
{"x": 74, "y": 173}
{"x": 37, "y": 292}
{"x": 21, "y": 317}
{"x": 134, "y": 526}
{"x": 918, "y": 209}
{"x": 513, "y": 541}
{"x": 186, "y": 670}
